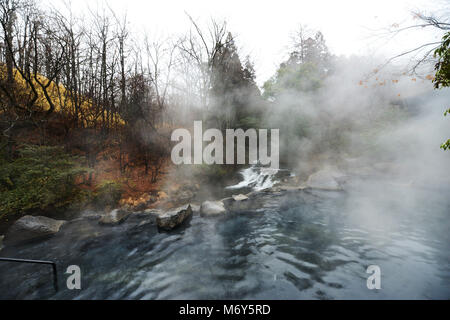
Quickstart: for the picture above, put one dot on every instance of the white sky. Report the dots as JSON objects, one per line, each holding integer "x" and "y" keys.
{"x": 263, "y": 28}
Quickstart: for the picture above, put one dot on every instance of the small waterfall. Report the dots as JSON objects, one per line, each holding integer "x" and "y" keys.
{"x": 256, "y": 178}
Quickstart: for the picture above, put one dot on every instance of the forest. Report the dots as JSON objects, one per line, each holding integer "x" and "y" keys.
{"x": 87, "y": 112}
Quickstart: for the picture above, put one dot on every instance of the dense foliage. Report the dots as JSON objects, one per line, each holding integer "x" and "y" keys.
{"x": 442, "y": 78}
{"x": 107, "y": 193}
{"x": 235, "y": 98}
{"x": 308, "y": 64}
{"x": 41, "y": 178}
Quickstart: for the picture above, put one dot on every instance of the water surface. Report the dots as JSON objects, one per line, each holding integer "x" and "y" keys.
{"x": 296, "y": 245}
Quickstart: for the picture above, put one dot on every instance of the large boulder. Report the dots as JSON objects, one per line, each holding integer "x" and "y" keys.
{"x": 325, "y": 180}
{"x": 212, "y": 208}
{"x": 174, "y": 218}
{"x": 115, "y": 217}
{"x": 30, "y": 228}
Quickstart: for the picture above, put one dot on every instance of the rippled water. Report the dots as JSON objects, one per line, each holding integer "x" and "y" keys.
{"x": 298, "y": 245}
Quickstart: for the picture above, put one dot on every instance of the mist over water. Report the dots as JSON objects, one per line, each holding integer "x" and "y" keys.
{"x": 309, "y": 245}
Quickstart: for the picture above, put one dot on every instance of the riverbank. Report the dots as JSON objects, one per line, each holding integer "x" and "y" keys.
{"x": 171, "y": 209}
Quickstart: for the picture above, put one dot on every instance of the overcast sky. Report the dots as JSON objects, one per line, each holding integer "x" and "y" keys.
{"x": 263, "y": 28}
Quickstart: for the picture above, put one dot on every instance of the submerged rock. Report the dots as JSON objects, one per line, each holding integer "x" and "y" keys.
{"x": 285, "y": 188}
{"x": 238, "y": 203}
{"x": 30, "y": 228}
{"x": 115, "y": 217}
{"x": 212, "y": 208}
{"x": 90, "y": 215}
{"x": 174, "y": 218}
{"x": 325, "y": 180}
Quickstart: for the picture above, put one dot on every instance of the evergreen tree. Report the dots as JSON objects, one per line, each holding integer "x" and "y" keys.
{"x": 308, "y": 64}
{"x": 233, "y": 88}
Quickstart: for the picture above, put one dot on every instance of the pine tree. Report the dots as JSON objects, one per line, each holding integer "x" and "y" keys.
{"x": 233, "y": 86}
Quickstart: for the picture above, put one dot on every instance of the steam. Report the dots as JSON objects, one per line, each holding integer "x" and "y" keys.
{"x": 372, "y": 117}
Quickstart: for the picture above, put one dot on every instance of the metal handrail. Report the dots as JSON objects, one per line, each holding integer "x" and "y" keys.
{"x": 55, "y": 274}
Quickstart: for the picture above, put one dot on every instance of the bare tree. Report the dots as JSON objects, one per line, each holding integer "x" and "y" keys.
{"x": 160, "y": 62}
{"x": 201, "y": 48}
{"x": 424, "y": 51}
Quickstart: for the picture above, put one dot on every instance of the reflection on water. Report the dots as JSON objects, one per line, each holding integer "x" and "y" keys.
{"x": 307, "y": 245}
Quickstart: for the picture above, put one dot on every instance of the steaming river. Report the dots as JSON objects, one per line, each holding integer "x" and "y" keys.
{"x": 297, "y": 245}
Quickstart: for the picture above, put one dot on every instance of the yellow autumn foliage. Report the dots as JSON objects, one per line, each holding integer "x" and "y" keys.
{"x": 61, "y": 98}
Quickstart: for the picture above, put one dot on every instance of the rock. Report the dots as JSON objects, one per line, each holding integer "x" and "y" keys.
{"x": 115, "y": 217}
{"x": 242, "y": 203}
{"x": 91, "y": 215}
{"x": 287, "y": 188}
{"x": 144, "y": 202}
{"x": 282, "y": 174}
{"x": 174, "y": 218}
{"x": 212, "y": 208}
{"x": 240, "y": 197}
{"x": 324, "y": 180}
{"x": 195, "y": 208}
{"x": 147, "y": 226}
{"x": 238, "y": 203}
{"x": 274, "y": 189}
{"x": 30, "y": 228}
{"x": 182, "y": 196}
{"x": 153, "y": 212}
{"x": 140, "y": 206}
{"x": 1, "y": 242}
{"x": 137, "y": 218}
